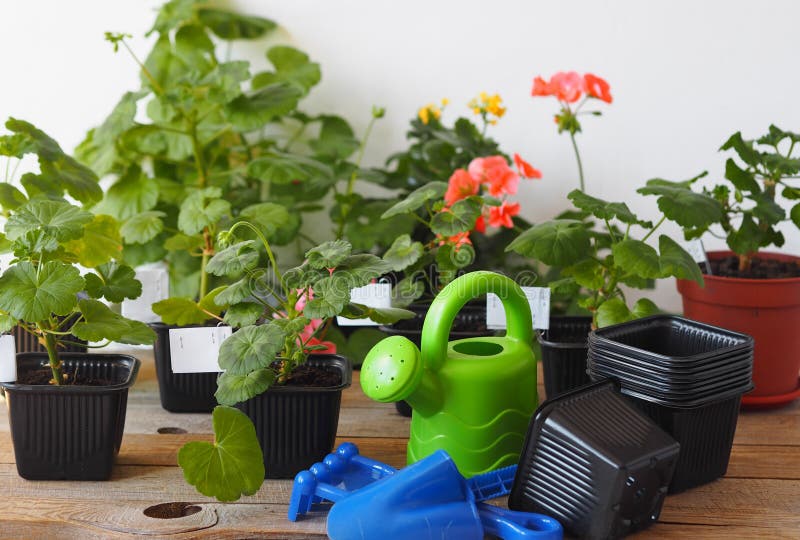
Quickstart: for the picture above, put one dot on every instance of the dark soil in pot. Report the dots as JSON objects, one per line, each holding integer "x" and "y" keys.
{"x": 181, "y": 392}
{"x": 296, "y": 424}
{"x": 72, "y": 431}
{"x": 759, "y": 268}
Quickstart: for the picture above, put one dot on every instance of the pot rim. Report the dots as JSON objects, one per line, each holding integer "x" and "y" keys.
{"x": 719, "y": 254}
{"x": 132, "y": 363}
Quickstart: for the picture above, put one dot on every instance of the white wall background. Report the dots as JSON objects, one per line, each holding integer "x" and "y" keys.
{"x": 684, "y": 75}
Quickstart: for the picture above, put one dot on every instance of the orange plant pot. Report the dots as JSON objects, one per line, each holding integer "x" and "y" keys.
{"x": 768, "y": 310}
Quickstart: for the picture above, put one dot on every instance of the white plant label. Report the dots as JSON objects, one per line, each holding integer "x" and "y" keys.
{"x": 697, "y": 251}
{"x": 155, "y": 287}
{"x": 8, "y": 358}
{"x": 538, "y": 299}
{"x": 196, "y": 350}
{"x": 374, "y": 295}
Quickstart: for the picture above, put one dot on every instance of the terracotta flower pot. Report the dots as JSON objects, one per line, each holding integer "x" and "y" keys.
{"x": 768, "y": 310}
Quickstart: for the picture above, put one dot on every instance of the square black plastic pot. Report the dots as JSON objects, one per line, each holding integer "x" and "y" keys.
{"x": 70, "y": 432}
{"x": 564, "y": 349}
{"x": 181, "y": 392}
{"x": 296, "y": 425}
{"x": 595, "y": 463}
{"x": 705, "y": 434}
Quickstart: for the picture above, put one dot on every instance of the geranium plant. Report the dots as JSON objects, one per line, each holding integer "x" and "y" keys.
{"x": 573, "y": 91}
{"x": 206, "y": 141}
{"x": 474, "y": 198}
{"x": 43, "y": 290}
{"x": 282, "y": 317}
{"x": 746, "y": 208}
{"x": 599, "y": 253}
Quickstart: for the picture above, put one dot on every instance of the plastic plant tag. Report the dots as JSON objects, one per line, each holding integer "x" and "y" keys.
{"x": 155, "y": 287}
{"x": 539, "y": 300}
{"x": 374, "y": 295}
{"x": 698, "y": 252}
{"x": 196, "y": 350}
{"x": 8, "y": 358}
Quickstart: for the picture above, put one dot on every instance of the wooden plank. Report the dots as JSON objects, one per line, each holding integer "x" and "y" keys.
{"x": 758, "y": 461}
{"x": 681, "y": 531}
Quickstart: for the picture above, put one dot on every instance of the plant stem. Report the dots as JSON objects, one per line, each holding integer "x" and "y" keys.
{"x": 266, "y": 246}
{"x": 51, "y": 345}
{"x": 660, "y": 221}
{"x": 577, "y": 157}
{"x": 351, "y": 182}
{"x": 157, "y": 87}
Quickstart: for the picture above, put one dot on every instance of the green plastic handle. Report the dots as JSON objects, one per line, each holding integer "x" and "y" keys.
{"x": 447, "y": 304}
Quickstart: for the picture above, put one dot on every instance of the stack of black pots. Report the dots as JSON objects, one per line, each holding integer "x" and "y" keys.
{"x": 688, "y": 377}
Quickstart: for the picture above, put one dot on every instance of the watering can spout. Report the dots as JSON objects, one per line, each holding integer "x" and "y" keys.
{"x": 393, "y": 371}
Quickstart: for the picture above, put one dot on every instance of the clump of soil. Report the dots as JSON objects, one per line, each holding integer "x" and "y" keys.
{"x": 759, "y": 268}
{"x": 43, "y": 376}
{"x": 318, "y": 377}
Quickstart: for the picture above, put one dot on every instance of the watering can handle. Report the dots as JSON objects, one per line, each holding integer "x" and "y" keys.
{"x": 451, "y": 299}
{"x": 512, "y": 525}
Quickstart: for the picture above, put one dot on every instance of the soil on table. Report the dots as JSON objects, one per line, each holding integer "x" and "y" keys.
{"x": 43, "y": 376}
{"x": 759, "y": 268}
{"x": 318, "y": 377}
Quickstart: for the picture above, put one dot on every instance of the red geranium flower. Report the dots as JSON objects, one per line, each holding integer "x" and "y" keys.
{"x": 541, "y": 87}
{"x": 460, "y": 186}
{"x": 500, "y": 216}
{"x": 480, "y": 225}
{"x": 598, "y": 88}
{"x": 567, "y": 86}
{"x": 526, "y": 170}
{"x": 494, "y": 170}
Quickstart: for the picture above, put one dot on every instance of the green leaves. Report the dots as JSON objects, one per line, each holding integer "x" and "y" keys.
{"x": 329, "y": 254}
{"x": 250, "y": 349}
{"x": 201, "y": 209}
{"x": 282, "y": 168}
{"x": 98, "y": 323}
{"x": 360, "y": 269}
{"x": 743, "y": 180}
{"x": 682, "y": 205}
{"x": 403, "y": 253}
{"x": 230, "y": 26}
{"x": 637, "y": 258}
{"x": 143, "y": 227}
{"x": 100, "y": 243}
{"x": 336, "y": 139}
{"x": 559, "y": 242}
{"x": 234, "y": 260}
{"x": 330, "y": 296}
{"x": 675, "y": 261}
{"x": 605, "y": 210}
{"x": 232, "y": 389}
{"x": 795, "y": 214}
{"x": 417, "y": 198}
{"x": 114, "y": 282}
{"x": 251, "y": 112}
{"x": 614, "y": 311}
{"x": 231, "y": 467}
{"x": 459, "y": 218}
{"x": 32, "y": 297}
{"x": 57, "y": 219}
{"x": 292, "y": 67}
{"x": 131, "y": 195}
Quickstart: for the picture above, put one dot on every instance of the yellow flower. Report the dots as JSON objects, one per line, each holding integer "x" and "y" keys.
{"x": 445, "y": 102}
{"x": 477, "y": 110}
{"x": 424, "y": 115}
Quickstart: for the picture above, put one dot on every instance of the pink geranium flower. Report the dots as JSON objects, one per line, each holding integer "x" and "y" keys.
{"x": 500, "y": 216}
{"x": 460, "y": 186}
{"x": 495, "y": 172}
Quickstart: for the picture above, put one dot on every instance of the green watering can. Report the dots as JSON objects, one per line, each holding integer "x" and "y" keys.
{"x": 472, "y": 397}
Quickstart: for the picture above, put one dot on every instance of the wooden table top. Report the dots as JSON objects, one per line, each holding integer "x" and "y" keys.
{"x": 758, "y": 498}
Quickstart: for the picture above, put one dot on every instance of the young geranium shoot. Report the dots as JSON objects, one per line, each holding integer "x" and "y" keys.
{"x": 601, "y": 260}
{"x": 282, "y": 317}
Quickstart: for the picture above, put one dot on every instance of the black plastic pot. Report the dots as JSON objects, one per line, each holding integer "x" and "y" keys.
{"x": 472, "y": 315}
{"x": 705, "y": 434}
{"x": 26, "y": 342}
{"x": 564, "y": 349}
{"x": 296, "y": 425}
{"x": 181, "y": 392}
{"x": 70, "y": 432}
{"x": 594, "y": 463}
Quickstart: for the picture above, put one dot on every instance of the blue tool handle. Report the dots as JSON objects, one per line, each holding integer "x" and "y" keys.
{"x": 512, "y": 525}
{"x": 492, "y": 484}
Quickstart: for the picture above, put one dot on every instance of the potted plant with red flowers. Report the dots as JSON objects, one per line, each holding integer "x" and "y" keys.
{"x": 597, "y": 255}
{"x": 563, "y": 344}
{"x": 66, "y": 409}
{"x": 273, "y": 375}
{"x": 746, "y": 289}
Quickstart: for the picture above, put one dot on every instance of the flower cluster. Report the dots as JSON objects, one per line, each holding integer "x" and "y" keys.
{"x": 488, "y": 107}
{"x": 431, "y": 111}
{"x": 494, "y": 174}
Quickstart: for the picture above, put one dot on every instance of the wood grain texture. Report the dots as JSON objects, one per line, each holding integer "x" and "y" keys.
{"x": 759, "y": 497}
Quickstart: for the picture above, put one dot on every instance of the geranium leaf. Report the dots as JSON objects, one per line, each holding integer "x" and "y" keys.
{"x": 458, "y": 218}
{"x": 282, "y": 168}
{"x": 613, "y": 311}
{"x": 11, "y": 198}
{"x": 180, "y": 311}
{"x": 183, "y": 242}
{"x": 605, "y": 210}
{"x": 132, "y": 194}
{"x": 675, "y": 261}
{"x": 251, "y": 348}
{"x": 679, "y": 203}
{"x": 403, "y": 253}
{"x": 100, "y": 243}
{"x": 291, "y": 66}
{"x": 143, "y": 227}
{"x": 336, "y": 139}
{"x": 329, "y": 254}
{"x": 99, "y": 323}
{"x": 243, "y": 314}
{"x": 559, "y": 242}
{"x": 233, "y": 260}
{"x": 795, "y": 214}
{"x": 417, "y": 198}
{"x": 230, "y": 467}
{"x": 201, "y": 209}
{"x": 114, "y": 282}
{"x": 32, "y": 296}
{"x": 233, "y": 389}
{"x": 250, "y": 112}
{"x": 268, "y": 217}
{"x": 58, "y": 219}
{"x": 330, "y": 296}
{"x": 637, "y": 258}
{"x": 236, "y": 291}
{"x": 229, "y": 25}
{"x": 361, "y": 269}
{"x": 379, "y": 315}
{"x": 644, "y": 307}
